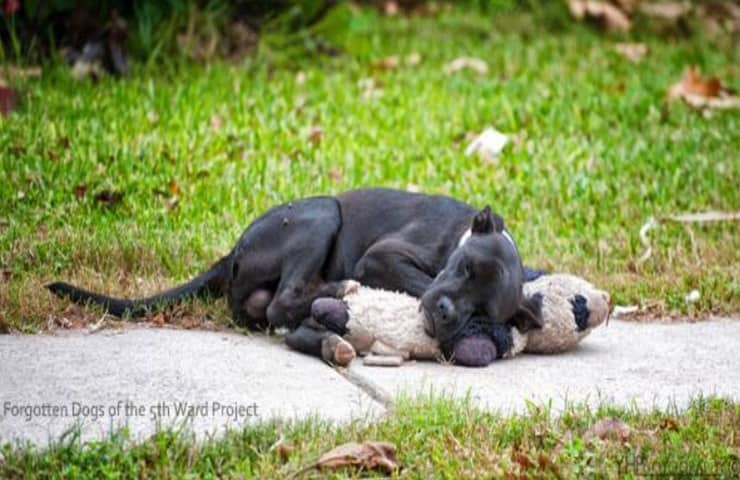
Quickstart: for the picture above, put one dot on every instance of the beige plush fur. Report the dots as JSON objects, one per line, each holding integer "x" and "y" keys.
{"x": 559, "y": 334}
{"x": 390, "y": 324}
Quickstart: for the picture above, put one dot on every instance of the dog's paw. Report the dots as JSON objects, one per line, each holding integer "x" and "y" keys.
{"x": 348, "y": 287}
{"x": 337, "y": 351}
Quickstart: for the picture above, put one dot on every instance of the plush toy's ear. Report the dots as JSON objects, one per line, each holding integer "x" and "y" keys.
{"x": 529, "y": 314}
{"x": 486, "y": 222}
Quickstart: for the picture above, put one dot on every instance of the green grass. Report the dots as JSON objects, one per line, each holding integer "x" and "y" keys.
{"x": 597, "y": 154}
{"x": 435, "y": 438}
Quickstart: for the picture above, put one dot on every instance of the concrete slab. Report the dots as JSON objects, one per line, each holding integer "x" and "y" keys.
{"x": 648, "y": 365}
{"x": 142, "y": 377}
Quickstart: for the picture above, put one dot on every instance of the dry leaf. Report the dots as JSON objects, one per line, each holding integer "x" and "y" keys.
{"x": 609, "y": 429}
{"x": 284, "y": 450}
{"x": 702, "y": 92}
{"x": 335, "y": 174}
{"x": 8, "y": 99}
{"x": 692, "y": 297}
{"x": 314, "y": 135}
{"x": 21, "y": 72}
{"x": 159, "y": 319}
{"x": 390, "y": 8}
{"x": 369, "y": 455}
{"x": 626, "y": 5}
{"x": 174, "y": 188}
{"x": 108, "y": 197}
{"x": 5, "y": 276}
{"x": 671, "y": 11}
{"x": 216, "y": 122}
{"x": 705, "y": 217}
{"x": 522, "y": 459}
{"x": 488, "y": 145}
{"x": 10, "y": 7}
{"x": 669, "y": 423}
{"x": 632, "y": 51}
{"x": 370, "y": 88}
{"x": 300, "y": 77}
{"x": 412, "y": 59}
{"x": 387, "y": 63}
{"x": 606, "y": 14}
{"x": 80, "y": 190}
{"x": 472, "y": 63}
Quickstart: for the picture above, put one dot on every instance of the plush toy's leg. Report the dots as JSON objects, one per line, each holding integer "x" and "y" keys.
{"x": 380, "y": 348}
{"x": 382, "y": 361}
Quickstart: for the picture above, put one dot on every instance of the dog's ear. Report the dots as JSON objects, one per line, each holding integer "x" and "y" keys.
{"x": 486, "y": 222}
{"x": 528, "y": 315}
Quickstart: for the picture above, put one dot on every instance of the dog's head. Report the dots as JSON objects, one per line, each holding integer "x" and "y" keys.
{"x": 483, "y": 276}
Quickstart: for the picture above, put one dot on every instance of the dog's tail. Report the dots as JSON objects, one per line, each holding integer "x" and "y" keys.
{"x": 211, "y": 282}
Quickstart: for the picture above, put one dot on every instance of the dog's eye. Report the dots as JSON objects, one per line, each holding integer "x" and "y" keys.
{"x": 468, "y": 270}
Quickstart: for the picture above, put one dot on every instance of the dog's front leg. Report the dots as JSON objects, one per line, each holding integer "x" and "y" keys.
{"x": 392, "y": 265}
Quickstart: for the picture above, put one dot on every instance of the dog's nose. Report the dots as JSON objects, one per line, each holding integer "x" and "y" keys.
{"x": 445, "y": 307}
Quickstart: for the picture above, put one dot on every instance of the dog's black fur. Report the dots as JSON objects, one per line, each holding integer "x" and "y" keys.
{"x": 380, "y": 237}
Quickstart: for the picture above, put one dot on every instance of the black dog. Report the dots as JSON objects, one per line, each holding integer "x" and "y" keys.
{"x": 459, "y": 261}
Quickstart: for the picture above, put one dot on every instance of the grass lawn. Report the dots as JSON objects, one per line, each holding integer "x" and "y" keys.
{"x": 127, "y": 186}
{"x": 435, "y": 438}
{"x": 596, "y": 153}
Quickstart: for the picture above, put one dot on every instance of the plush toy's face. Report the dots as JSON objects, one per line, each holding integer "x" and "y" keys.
{"x": 483, "y": 276}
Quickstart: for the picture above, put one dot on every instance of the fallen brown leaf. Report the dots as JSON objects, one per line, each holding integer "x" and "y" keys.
{"x": 633, "y": 52}
{"x": 300, "y": 77}
{"x": 5, "y": 276}
{"x": 702, "y": 92}
{"x": 314, "y": 135}
{"x": 387, "y": 63}
{"x": 216, "y": 122}
{"x": 609, "y": 429}
{"x": 607, "y": 15}
{"x": 412, "y": 59}
{"x": 668, "y": 423}
{"x": 8, "y": 99}
{"x": 21, "y": 72}
{"x": 174, "y": 188}
{"x": 159, "y": 319}
{"x": 80, "y": 190}
{"x": 370, "y": 88}
{"x": 461, "y": 63}
{"x": 522, "y": 459}
{"x": 671, "y": 11}
{"x": 335, "y": 174}
{"x": 284, "y": 450}
{"x": 389, "y": 7}
{"x": 108, "y": 197}
{"x": 370, "y": 455}
{"x": 626, "y": 5}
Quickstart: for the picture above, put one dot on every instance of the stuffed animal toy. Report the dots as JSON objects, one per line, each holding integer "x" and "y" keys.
{"x": 387, "y": 328}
